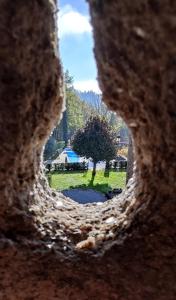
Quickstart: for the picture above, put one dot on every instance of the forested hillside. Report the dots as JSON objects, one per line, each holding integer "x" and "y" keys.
{"x": 74, "y": 117}
{"x": 89, "y": 97}
{"x": 100, "y": 108}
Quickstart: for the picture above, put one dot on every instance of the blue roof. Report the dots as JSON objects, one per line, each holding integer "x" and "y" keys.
{"x": 68, "y": 149}
{"x": 71, "y": 155}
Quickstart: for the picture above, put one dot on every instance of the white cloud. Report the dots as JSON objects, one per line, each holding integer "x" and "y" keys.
{"x": 87, "y": 85}
{"x": 71, "y": 21}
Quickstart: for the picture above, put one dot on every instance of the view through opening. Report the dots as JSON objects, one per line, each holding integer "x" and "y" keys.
{"x": 86, "y": 155}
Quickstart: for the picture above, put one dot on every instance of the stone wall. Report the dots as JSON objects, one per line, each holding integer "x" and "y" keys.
{"x": 51, "y": 247}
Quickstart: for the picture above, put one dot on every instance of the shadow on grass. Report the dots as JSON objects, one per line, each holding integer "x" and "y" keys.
{"x": 70, "y": 172}
{"x": 84, "y": 172}
{"x": 89, "y": 181}
{"x": 100, "y": 187}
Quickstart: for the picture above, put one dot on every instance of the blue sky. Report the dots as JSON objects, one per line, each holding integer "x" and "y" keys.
{"x": 76, "y": 43}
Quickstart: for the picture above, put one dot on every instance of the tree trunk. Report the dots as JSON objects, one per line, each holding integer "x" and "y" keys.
{"x": 93, "y": 171}
{"x": 106, "y": 171}
{"x": 107, "y": 165}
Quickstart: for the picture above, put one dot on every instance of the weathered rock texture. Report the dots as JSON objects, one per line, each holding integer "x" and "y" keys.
{"x": 30, "y": 97}
{"x": 51, "y": 247}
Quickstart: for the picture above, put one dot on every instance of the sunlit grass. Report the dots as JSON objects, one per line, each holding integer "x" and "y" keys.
{"x": 67, "y": 179}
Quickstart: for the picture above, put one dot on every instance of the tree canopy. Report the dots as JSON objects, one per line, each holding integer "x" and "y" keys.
{"x": 96, "y": 141}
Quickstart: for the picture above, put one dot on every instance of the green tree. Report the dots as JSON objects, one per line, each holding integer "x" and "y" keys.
{"x": 50, "y": 148}
{"x": 68, "y": 81}
{"x": 95, "y": 141}
{"x": 77, "y": 112}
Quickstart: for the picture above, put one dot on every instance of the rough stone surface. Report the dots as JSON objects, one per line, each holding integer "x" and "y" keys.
{"x": 30, "y": 97}
{"x": 51, "y": 247}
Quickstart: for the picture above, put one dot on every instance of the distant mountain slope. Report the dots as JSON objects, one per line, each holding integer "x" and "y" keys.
{"x": 95, "y": 100}
{"x": 90, "y": 97}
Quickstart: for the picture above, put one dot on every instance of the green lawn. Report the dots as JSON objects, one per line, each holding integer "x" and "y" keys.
{"x": 75, "y": 179}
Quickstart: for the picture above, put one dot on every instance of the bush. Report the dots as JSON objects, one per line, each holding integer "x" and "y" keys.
{"x": 123, "y": 151}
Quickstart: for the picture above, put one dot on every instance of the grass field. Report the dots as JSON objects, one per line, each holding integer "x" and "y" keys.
{"x": 74, "y": 179}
